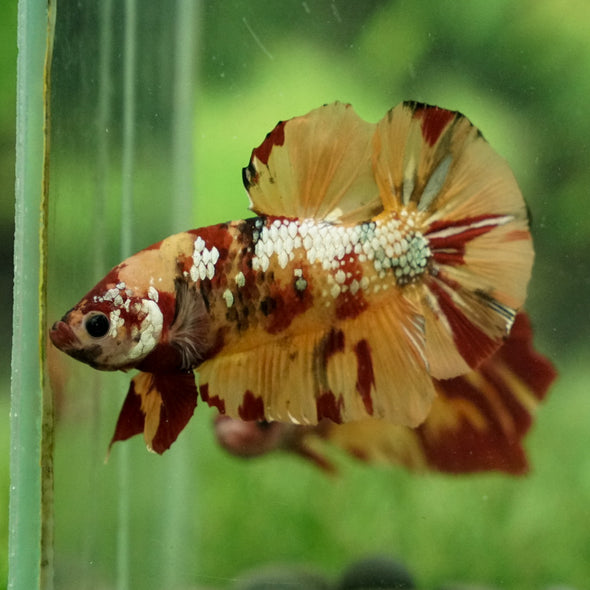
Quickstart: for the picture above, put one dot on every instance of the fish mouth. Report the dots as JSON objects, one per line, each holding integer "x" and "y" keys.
{"x": 62, "y": 336}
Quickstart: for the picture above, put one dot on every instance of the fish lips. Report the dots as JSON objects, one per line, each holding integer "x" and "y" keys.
{"x": 62, "y": 336}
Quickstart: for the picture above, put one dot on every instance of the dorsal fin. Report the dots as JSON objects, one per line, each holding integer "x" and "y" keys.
{"x": 316, "y": 166}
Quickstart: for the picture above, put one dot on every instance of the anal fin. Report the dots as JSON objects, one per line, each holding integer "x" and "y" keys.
{"x": 371, "y": 366}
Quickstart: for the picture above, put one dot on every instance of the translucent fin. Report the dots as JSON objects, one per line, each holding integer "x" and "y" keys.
{"x": 477, "y": 422}
{"x": 370, "y": 366}
{"x": 435, "y": 163}
{"x": 315, "y": 166}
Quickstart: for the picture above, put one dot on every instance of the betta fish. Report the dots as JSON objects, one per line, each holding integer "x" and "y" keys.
{"x": 381, "y": 257}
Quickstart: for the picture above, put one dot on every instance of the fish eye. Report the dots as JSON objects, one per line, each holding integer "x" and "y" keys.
{"x": 97, "y": 325}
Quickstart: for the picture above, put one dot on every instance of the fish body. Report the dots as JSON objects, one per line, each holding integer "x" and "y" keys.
{"x": 381, "y": 257}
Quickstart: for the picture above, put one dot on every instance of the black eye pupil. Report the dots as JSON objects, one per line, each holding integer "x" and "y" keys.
{"x": 97, "y": 325}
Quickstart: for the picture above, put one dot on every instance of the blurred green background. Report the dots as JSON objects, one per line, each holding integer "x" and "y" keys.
{"x": 195, "y": 517}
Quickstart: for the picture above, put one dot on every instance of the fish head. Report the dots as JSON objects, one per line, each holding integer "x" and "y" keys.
{"x": 113, "y": 327}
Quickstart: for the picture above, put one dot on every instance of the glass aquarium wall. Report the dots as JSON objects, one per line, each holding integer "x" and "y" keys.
{"x": 155, "y": 110}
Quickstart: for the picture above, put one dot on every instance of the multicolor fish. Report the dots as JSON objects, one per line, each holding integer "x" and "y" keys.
{"x": 383, "y": 258}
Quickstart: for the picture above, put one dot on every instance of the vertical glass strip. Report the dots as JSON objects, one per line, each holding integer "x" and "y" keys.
{"x": 123, "y": 173}
{"x": 183, "y": 163}
{"x": 126, "y": 240}
{"x": 179, "y": 465}
{"x": 30, "y": 529}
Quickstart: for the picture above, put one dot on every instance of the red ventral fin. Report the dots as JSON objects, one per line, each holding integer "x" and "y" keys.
{"x": 160, "y": 406}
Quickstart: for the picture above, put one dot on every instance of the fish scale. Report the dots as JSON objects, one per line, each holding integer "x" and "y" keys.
{"x": 387, "y": 244}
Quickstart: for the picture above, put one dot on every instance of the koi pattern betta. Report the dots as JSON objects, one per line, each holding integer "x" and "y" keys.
{"x": 384, "y": 259}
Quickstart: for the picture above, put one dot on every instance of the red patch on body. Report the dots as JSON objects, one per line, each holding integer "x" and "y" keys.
{"x": 287, "y": 304}
{"x": 167, "y": 305}
{"x": 184, "y": 263}
{"x": 213, "y": 401}
{"x": 275, "y": 137}
{"x": 252, "y": 407}
{"x": 347, "y": 304}
{"x": 434, "y": 121}
{"x": 365, "y": 379}
{"x": 329, "y": 407}
{"x": 165, "y": 358}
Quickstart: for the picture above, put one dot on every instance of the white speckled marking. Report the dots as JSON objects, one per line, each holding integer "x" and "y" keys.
{"x": 229, "y": 298}
{"x": 204, "y": 261}
{"x": 119, "y": 296}
{"x": 391, "y": 245}
{"x": 240, "y": 279}
{"x": 150, "y": 329}
{"x": 116, "y": 322}
{"x": 153, "y": 294}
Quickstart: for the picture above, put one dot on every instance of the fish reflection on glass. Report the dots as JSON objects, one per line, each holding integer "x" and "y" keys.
{"x": 383, "y": 259}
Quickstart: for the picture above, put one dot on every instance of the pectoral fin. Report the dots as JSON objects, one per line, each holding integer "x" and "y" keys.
{"x": 190, "y": 331}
